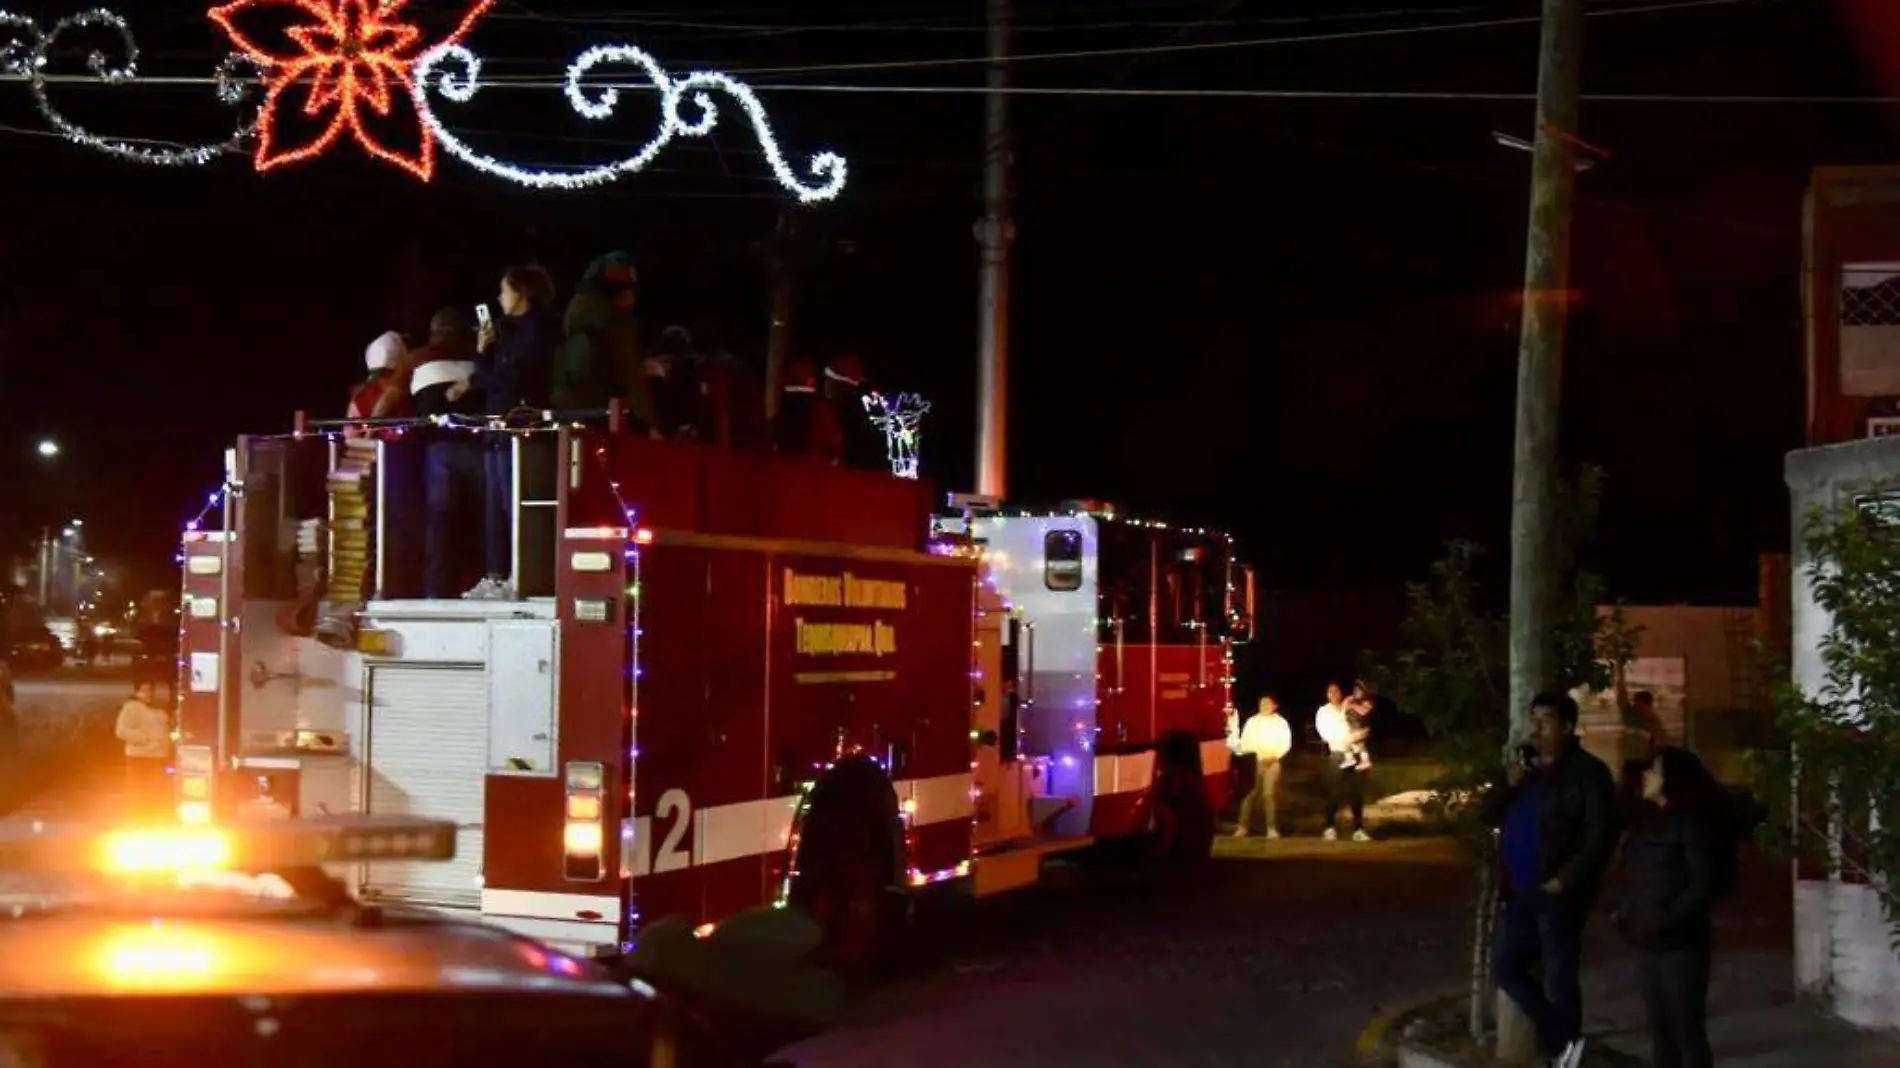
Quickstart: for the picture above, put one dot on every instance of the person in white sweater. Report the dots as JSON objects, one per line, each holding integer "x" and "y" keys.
{"x": 1267, "y": 738}
{"x": 147, "y": 733}
{"x": 1341, "y": 724}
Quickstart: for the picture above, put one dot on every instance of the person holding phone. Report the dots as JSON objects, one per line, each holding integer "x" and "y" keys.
{"x": 1556, "y": 813}
{"x": 513, "y": 371}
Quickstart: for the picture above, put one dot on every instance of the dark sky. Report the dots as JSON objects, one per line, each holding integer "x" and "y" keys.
{"x": 1295, "y": 318}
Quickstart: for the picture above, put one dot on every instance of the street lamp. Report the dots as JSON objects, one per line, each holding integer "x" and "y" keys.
{"x": 47, "y": 448}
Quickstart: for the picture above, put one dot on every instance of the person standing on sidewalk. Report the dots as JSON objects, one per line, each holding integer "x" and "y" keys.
{"x": 1556, "y": 811}
{"x": 1343, "y": 730}
{"x": 1679, "y": 860}
{"x": 1267, "y": 738}
{"x": 147, "y": 734}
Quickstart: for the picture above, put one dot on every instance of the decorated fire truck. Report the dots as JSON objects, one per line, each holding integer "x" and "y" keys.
{"x": 721, "y": 679}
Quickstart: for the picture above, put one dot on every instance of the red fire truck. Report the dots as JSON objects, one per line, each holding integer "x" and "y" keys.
{"x": 723, "y": 678}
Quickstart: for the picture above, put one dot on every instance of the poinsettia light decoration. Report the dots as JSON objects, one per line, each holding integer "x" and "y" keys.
{"x": 341, "y": 67}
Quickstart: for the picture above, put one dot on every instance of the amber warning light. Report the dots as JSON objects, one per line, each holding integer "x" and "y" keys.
{"x": 170, "y": 851}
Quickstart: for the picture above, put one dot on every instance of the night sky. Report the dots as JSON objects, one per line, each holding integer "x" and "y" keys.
{"x": 1292, "y": 317}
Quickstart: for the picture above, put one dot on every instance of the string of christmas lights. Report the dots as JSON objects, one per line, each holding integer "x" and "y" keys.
{"x": 455, "y": 72}
{"x": 900, "y": 418}
{"x": 25, "y": 51}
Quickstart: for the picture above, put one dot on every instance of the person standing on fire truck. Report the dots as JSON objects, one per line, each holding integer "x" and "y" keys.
{"x": 845, "y": 389}
{"x": 514, "y": 371}
{"x": 806, "y": 424}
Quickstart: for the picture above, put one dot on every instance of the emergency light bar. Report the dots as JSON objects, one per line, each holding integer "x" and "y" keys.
{"x": 176, "y": 850}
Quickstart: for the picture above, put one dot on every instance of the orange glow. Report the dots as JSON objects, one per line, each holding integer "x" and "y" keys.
{"x": 643, "y": 536}
{"x": 583, "y": 839}
{"x": 703, "y": 930}
{"x": 353, "y": 60}
{"x": 166, "y": 850}
{"x": 158, "y": 956}
{"x": 194, "y": 813}
{"x": 583, "y": 807}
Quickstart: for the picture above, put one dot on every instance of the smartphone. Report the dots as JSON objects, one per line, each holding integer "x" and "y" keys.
{"x": 1527, "y": 757}
{"x": 481, "y": 314}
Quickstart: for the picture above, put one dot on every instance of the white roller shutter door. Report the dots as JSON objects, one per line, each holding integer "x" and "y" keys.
{"x": 428, "y": 757}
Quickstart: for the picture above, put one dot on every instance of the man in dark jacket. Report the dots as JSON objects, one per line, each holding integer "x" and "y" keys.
{"x": 1556, "y": 812}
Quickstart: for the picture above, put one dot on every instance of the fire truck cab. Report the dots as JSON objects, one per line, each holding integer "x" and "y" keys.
{"x": 725, "y": 679}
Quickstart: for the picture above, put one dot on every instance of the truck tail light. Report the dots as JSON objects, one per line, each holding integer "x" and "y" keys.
{"x": 584, "y": 836}
{"x": 194, "y": 784}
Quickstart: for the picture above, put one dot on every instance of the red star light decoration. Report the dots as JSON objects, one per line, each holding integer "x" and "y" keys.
{"x": 350, "y": 61}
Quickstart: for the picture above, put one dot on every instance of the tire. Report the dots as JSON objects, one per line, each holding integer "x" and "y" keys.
{"x": 1180, "y": 799}
{"x": 846, "y": 874}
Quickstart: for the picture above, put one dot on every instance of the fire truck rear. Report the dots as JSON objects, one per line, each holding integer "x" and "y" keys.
{"x": 726, "y": 679}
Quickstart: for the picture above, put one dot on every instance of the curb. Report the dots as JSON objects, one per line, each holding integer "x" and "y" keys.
{"x": 1377, "y": 1037}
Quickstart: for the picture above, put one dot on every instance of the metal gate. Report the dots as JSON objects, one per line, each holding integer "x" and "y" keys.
{"x": 427, "y": 756}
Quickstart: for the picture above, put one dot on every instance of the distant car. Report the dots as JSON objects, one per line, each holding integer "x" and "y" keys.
{"x": 34, "y": 649}
{"x": 202, "y": 945}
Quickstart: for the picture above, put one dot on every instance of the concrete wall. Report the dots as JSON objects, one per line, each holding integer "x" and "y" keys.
{"x": 1843, "y": 951}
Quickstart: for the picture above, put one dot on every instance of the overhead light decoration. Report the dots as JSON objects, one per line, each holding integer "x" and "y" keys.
{"x": 361, "y": 71}
{"x": 345, "y": 64}
{"x": 900, "y": 417}
{"x": 25, "y": 48}
{"x": 455, "y": 73}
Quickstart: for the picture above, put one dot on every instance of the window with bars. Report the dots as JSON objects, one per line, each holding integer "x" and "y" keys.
{"x": 1870, "y": 329}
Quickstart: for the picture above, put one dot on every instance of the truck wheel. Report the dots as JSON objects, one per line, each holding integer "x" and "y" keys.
{"x": 844, "y": 882}
{"x": 1184, "y": 825}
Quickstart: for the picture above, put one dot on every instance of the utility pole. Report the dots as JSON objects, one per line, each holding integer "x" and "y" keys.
{"x": 994, "y": 234}
{"x": 1540, "y": 357}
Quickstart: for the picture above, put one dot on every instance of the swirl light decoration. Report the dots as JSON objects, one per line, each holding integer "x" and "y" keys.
{"x": 356, "y": 69}
{"x": 455, "y": 72}
{"x": 900, "y": 418}
{"x": 25, "y": 50}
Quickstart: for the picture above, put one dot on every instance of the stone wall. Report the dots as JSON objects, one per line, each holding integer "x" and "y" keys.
{"x": 1843, "y": 945}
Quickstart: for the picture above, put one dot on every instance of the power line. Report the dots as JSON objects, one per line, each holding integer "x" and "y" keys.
{"x": 1341, "y": 95}
{"x": 1651, "y": 8}
{"x": 947, "y": 26}
{"x": 1661, "y": 7}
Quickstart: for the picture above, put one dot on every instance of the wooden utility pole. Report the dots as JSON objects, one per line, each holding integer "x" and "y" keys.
{"x": 1540, "y": 358}
{"x": 995, "y": 231}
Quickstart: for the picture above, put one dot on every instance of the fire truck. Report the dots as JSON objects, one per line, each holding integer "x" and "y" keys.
{"x": 722, "y": 679}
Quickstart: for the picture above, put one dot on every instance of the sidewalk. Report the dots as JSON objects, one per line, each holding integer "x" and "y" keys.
{"x": 1755, "y": 1021}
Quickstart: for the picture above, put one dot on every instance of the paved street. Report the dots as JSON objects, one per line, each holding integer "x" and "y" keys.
{"x": 67, "y": 765}
{"x": 1281, "y": 958}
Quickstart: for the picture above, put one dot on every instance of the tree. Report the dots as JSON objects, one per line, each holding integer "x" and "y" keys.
{"x": 1454, "y": 678}
{"x": 1827, "y": 784}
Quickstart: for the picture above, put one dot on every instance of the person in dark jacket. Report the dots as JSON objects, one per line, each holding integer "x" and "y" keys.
{"x": 439, "y": 388}
{"x": 674, "y": 382}
{"x": 734, "y": 397}
{"x": 583, "y": 372}
{"x": 1669, "y": 888}
{"x": 514, "y": 371}
{"x": 1556, "y": 811}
